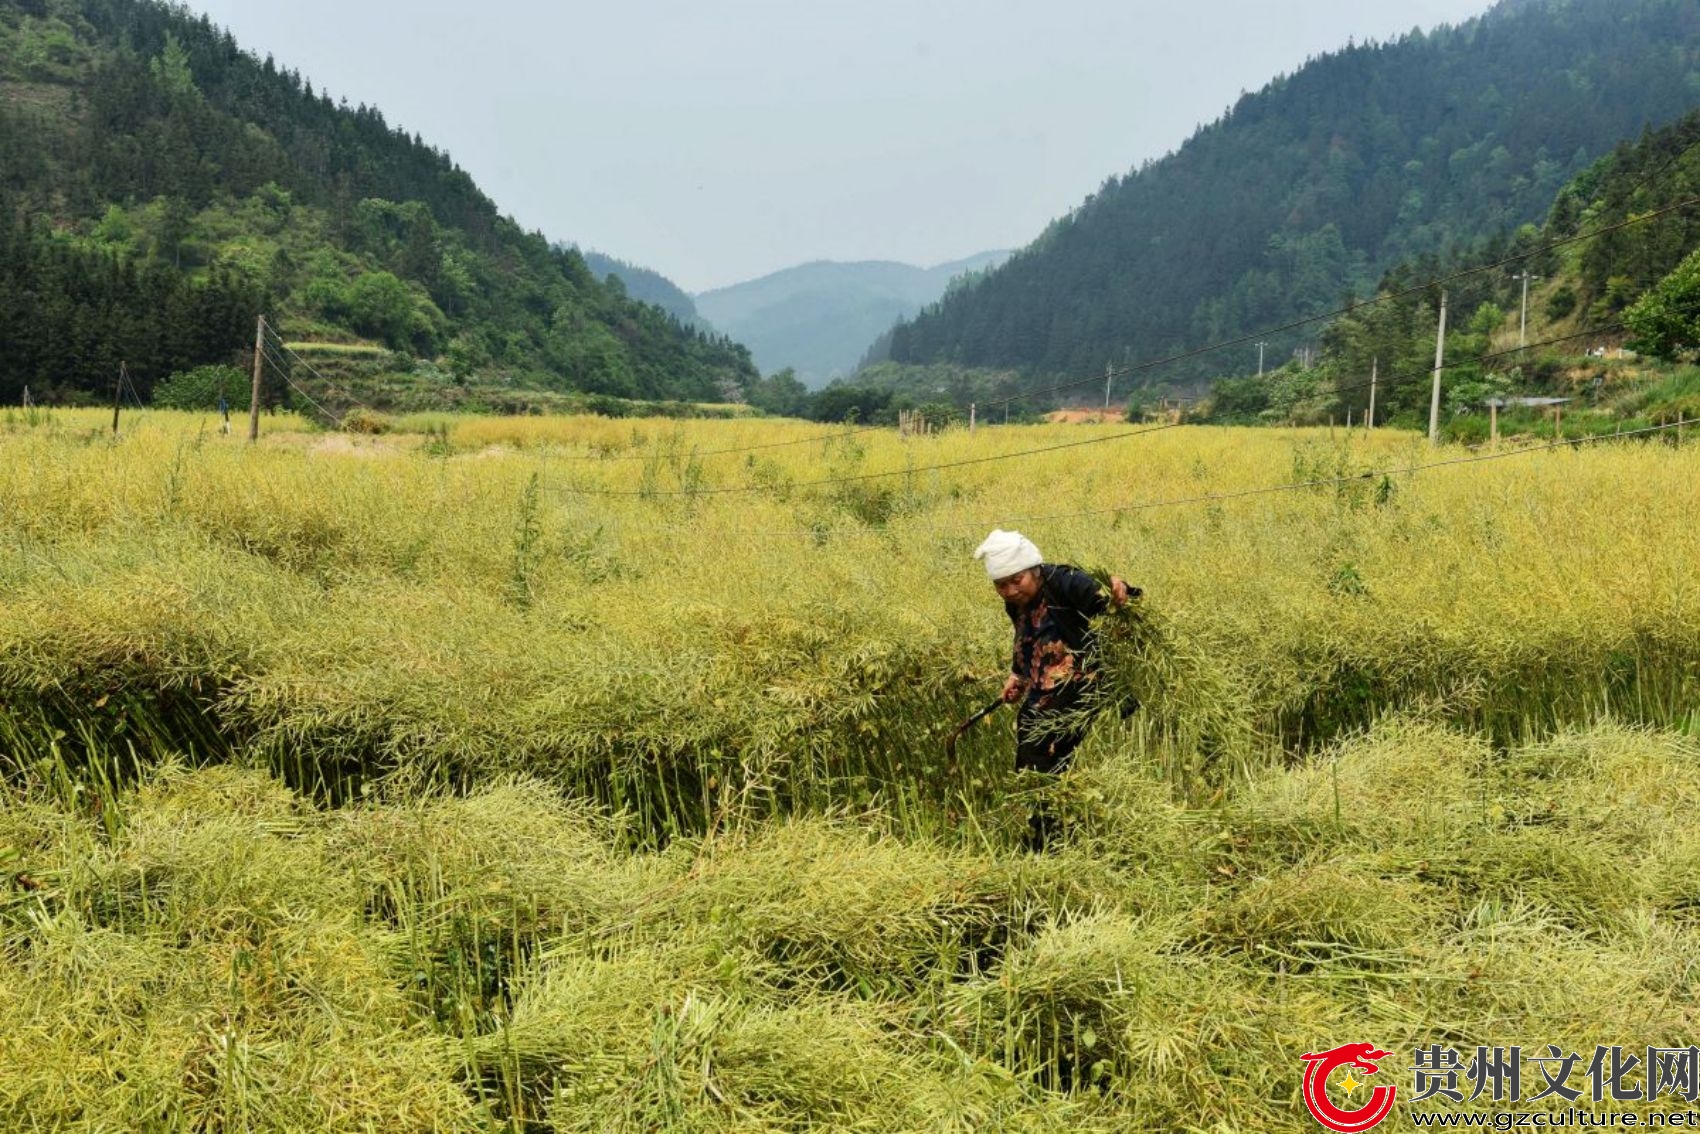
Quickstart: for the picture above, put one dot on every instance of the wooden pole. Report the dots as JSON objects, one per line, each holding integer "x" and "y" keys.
{"x": 1558, "y": 423}
{"x": 1439, "y": 365}
{"x": 1374, "y": 373}
{"x": 254, "y": 395}
{"x": 117, "y": 392}
{"x": 1493, "y": 423}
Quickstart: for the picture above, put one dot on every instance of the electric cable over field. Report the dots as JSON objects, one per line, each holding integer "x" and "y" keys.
{"x": 1383, "y": 383}
{"x": 1113, "y": 373}
{"x": 1368, "y": 476}
{"x": 1109, "y": 375}
{"x": 1349, "y": 478}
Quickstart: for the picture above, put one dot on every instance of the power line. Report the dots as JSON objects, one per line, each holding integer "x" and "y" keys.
{"x": 1476, "y": 359}
{"x": 1114, "y": 372}
{"x": 1386, "y": 383}
{"x": 317, "y": 374}
{"x": 1657, "y": 173}
{"x": 128, "y": 385}
{"x": 1214, "y": 497}
{"x": 633, "y": 492}
{"x": 1326, "y": 482}
{"x": 1111, "y": 374}
{"x": 1589, "y": 333}
{"x": 283, "y": 372}
{"x": 834, "y": 436}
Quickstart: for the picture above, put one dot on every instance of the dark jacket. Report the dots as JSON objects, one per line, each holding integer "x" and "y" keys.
{"x": 1072, "y": 598}
{"x": 1075, "y": 598}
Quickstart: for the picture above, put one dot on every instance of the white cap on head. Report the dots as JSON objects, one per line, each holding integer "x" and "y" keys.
{"x": 1008, "y": 553}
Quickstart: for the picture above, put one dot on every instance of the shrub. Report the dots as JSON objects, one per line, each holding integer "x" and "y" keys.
{"x": 200, "y": 388}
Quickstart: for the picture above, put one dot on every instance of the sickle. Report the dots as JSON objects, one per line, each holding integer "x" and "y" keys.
{"x": 950, "y": 741}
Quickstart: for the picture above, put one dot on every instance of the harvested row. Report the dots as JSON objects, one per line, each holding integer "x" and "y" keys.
{"x": 350, "y": 612}
{"x": 207, "y": 949}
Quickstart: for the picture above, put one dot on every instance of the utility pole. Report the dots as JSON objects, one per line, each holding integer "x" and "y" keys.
{"x": 1523, "y": 327}
{"x": 27, "y": 402}
{"x": 1109, "y": 376}
{"x": 1439, "y": 365}
{"x": 1374, "y": 373}
{"x": 254, "y": 396}
{"x": 970, "y": 419}
{"x": 1260, "y": 347}
{"x": 117, "y": 392}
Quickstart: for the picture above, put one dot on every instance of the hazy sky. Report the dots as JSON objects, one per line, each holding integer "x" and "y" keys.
{"x": 717, "y": 141}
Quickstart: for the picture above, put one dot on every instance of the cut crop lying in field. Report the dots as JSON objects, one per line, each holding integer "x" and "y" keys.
{"x": 206, "y": 948}
{"x": 693, "y": 659}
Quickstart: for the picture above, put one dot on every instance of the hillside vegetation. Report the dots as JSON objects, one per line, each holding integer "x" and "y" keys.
{"x": 160, "y": 186}
{"x": 648, "y": 286}
{"x": 1630, "y": 287}
{"x": 1317, "y": 185}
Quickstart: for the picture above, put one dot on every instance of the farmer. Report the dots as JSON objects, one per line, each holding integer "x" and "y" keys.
{"x": 1056, "y": 656}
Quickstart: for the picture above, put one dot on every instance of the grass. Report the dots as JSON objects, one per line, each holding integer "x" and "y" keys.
{"x": 212, "y": 950}
{"x": 400, "y": 783}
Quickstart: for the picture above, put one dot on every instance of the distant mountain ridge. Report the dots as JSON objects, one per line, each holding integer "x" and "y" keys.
{"x": 819, "y": 318}
{"x": 1371, "y": 156}
{"x": 646, "y": 286}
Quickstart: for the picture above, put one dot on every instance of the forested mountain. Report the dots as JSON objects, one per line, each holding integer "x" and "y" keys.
{"x": 818, "y": 319}
{"x": 1638, "y": 285}
{"x": 1322, "y": 181}
{"x": 647, "y": 286}
{"x": 159, "y": 186}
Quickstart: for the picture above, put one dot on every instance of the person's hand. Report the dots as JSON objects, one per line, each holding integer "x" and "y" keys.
{"x": 1118, "y": 591}
{"x": 1012, "y": 689}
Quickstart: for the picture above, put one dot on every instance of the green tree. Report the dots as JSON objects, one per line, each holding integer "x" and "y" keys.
{"x": 1666, "y": 321}
{"x": 200, "y": 388}
{"x": 171, "y": 68}
{"x": 851, "y": 403}
{"x": 780, "y": 394}
{"x": 381, "y": 305}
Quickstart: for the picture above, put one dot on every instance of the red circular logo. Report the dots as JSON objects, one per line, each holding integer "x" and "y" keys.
{"x": 1320, "y": 1065}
